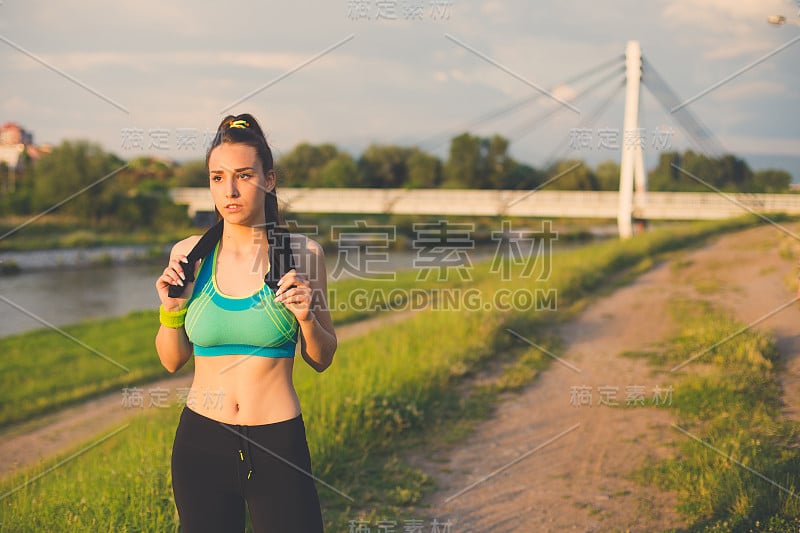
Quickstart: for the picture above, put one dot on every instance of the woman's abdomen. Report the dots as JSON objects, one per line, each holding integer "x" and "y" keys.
{"x": 245, "y": 390}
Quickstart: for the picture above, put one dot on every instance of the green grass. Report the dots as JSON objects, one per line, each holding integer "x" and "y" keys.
{"x": 62, "y": 232}
{"x": 354, "y": 299}
{"x": 43, "y": 369}
{"x": 30, "y": 386}
{"x": 730, "y": 399}
{"x": 402, "y": 385}
{"x": 122, "y": 484}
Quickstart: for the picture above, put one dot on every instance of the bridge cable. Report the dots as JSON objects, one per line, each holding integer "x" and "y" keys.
{"x": 435, "y": 141}
{"x": 559, "y": 151}
{"x": 698, "y": 133}
{"x": 531, "y": 125}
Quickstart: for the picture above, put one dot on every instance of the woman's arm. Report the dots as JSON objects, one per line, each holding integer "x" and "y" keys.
{"x": 173, "y": 347}
{"x": 172, "y": 344}
{"x": 309, "y": 302}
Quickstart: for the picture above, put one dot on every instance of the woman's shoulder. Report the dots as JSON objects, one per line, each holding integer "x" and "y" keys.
{"x": 308, "y": 255}
{"x": 185, "y": 246}
{"x": 305, "y": 243}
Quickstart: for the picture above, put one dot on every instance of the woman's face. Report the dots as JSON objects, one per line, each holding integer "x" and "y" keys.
{"x": 238, "y": 183}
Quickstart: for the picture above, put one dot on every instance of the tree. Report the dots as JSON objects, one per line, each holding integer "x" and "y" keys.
{"x": 80, "y": 170}
{"x": 341, "y": 171}
{"x": 5, "y": 174}
{"x": 607, "y": 173}
{"x": 567, "y": 178}
{"x": 424, "y": 170}
{"x": 498, "y": 163}
{"x": 16, "y": 188}
{"x": 302, "y": 167}
{"x": 734, "y": 174}
{"x": 149, "y": 206}
{"x": 523, "y": 177}
{"x": 772, "y": 181}
{"x": 140, "y": 170}
{"x": 98, "y": 187}
{"x": 691, "y": 171}
{"x": 665, "y": 177}
{"x": 191, "y": 174}
{"x": 148, "y": 167}
{"x": 478, "y": 162}
{"x": 463, "y": 168}
{"x": 384, "y": 166}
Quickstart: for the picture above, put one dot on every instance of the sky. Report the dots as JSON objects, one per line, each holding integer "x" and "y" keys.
{"x": 155, "y": 78}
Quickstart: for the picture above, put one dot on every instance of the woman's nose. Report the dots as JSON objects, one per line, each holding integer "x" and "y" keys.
{"x": 232, "y": 191}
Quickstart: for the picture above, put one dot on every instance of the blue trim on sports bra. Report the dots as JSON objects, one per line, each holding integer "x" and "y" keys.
{"x": 284, "y": 350}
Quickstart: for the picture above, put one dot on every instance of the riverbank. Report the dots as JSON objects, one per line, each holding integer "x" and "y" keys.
{"x": 33, "y": 246}
{"x": 17, "y": 262}
{"x": 53, "y": 232}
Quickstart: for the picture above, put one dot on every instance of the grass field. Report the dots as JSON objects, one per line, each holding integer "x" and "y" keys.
{"x": 398, "y": 387}
{"x": 60, "y": 231}
{"x": 737, "y": 461}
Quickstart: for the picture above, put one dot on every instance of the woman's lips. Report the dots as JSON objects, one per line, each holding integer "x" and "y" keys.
{"x": 233, "y": 207}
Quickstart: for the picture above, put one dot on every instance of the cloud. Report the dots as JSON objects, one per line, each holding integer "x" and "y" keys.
{"x": 726, "y": 29}
{"x": 496, "y": 11}
{"x": 749, "y": 48}
{"x": 84, "y": 61}
{"x": 15, "y": 106}
{"x": 751, "y": 89}
{"x": 724, "y": 16}
{"x": 564, "y": 92}
{"x": 762, "y": 145}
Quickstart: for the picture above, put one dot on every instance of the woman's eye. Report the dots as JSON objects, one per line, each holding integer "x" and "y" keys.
{"x": 216, "y": 178}
{"x": 245, "y": 176}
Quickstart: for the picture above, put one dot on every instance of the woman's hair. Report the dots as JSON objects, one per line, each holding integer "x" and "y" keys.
{"x": 244, "y": 129}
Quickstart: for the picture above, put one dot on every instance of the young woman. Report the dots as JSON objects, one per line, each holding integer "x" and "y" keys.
{"x": 241, "y": 318}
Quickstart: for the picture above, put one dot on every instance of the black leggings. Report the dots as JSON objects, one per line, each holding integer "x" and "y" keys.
{"x": 216, "y": 467}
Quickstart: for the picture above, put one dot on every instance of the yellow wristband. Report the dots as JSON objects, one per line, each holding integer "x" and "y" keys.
{"x": 171, "y": 319}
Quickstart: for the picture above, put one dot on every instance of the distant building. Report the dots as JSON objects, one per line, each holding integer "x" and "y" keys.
{"x": 12, "y": 133}
{"x": 37, "y": 151}
{"x": 14, "y": 141}
{"x": 11, "y": 155}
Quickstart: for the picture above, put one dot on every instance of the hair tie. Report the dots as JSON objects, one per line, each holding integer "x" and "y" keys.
{"x": 239, "y": 124}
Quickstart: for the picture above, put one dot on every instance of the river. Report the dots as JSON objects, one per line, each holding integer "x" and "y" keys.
{"x": 59, "y": 296}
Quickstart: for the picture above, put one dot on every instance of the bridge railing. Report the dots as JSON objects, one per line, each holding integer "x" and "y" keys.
{"x": 484, "y": 202}
{"x": 694, "y": 205}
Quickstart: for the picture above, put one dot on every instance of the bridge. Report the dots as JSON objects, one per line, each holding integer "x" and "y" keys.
{"x": 633, "y": 201}
{"x": 541, "y": 203}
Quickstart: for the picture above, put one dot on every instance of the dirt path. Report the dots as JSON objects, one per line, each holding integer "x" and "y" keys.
{"x": 29, "y": 442}
{"x": 548, "y": 462}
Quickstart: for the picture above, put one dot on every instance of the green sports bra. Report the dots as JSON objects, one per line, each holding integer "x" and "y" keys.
{"x": 252, "y": 325}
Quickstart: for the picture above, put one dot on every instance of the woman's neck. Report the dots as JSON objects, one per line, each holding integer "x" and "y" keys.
{"x": 244, "y": 239}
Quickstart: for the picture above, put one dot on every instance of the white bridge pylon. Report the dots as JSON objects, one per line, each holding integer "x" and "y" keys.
{"x": 632, "y": 162}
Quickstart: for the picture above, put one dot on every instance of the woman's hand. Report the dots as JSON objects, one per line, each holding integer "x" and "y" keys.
{"x": 174, "y": 275}
{"x": 294, "y": 291}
